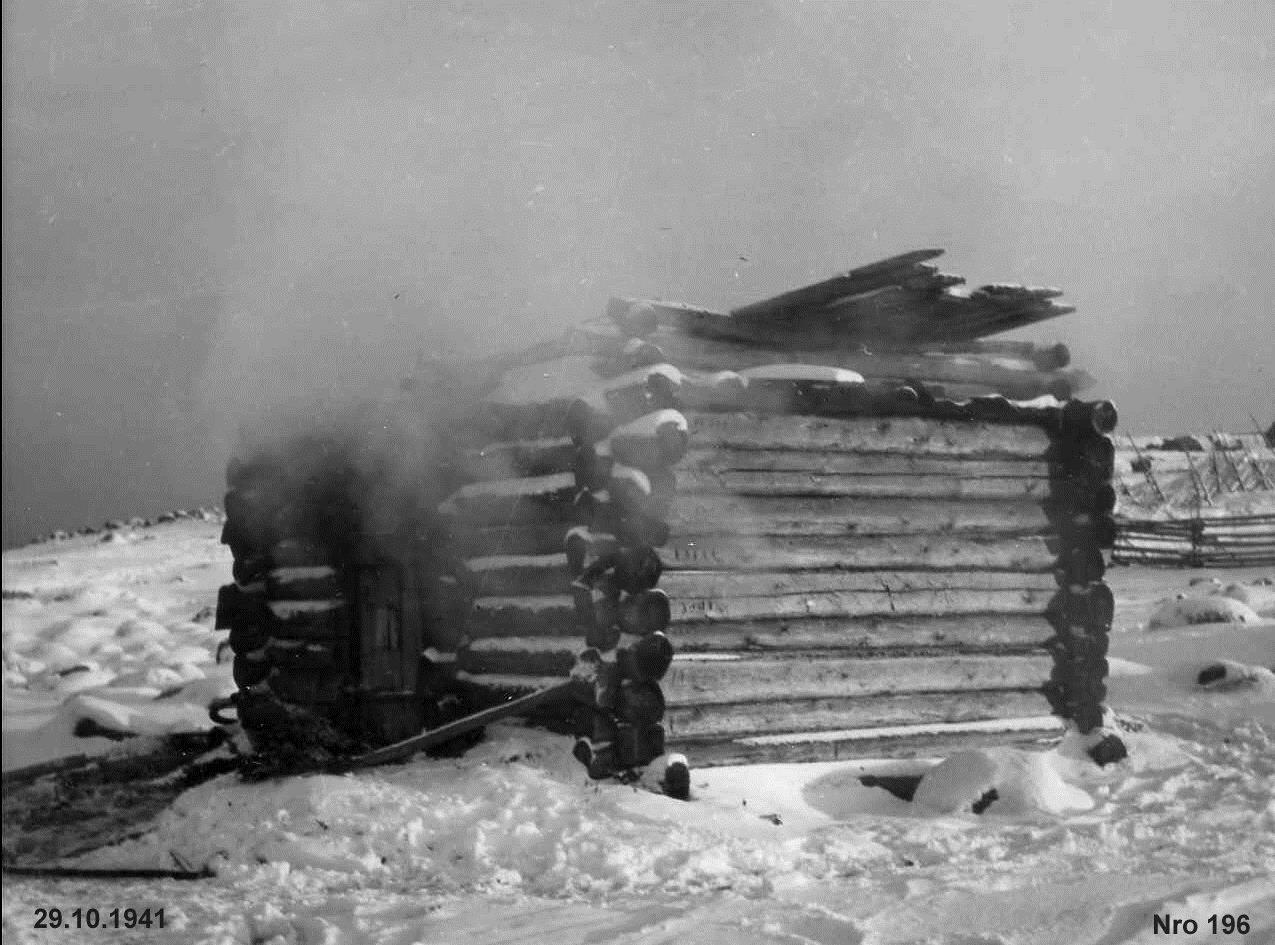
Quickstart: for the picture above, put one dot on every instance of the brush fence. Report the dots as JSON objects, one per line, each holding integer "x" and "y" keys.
{"x": 841, "y": 568}
{"x": 1221, "y": 541}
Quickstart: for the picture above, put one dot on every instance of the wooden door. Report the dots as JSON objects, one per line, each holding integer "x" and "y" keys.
{"x": 386, "y": 660}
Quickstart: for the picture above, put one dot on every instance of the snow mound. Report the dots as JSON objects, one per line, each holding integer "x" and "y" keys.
{"x": 1000, "y": 781}
{"x": 1260, "y": 596}
{"x": 1226, "y": 675}
{"x": 1188, "y": 611}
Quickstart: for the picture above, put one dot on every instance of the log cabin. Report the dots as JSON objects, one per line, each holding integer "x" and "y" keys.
{"x": 841, "y": 521}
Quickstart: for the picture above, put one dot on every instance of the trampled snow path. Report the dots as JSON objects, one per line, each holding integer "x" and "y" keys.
{"x": 513, "y": 844}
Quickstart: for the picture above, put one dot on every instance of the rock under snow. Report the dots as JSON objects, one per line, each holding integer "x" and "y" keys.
{"x": 1229, "y": 674}
{"x": 1188, "y": 611}
{"x": 999, "y": 781}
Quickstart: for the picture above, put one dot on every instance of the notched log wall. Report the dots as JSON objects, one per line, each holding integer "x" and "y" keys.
{"x": 840, "y": 565}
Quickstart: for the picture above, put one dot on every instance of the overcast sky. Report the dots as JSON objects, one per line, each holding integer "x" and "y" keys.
{"x": 209, "y": 208}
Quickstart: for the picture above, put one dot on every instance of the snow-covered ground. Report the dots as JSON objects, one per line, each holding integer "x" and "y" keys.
{"x": 512, "y": 843}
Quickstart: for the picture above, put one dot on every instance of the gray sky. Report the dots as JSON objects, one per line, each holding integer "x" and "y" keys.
{"x": 211, "y": 209}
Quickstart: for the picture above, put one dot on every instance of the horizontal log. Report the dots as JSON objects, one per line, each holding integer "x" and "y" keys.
{"x": 774, "y": 680}
{"x": 860, "y": 486}
{"x": 811, "y": 715}
{"x": 789, "y": 370}
{"x": 996, "y": 619}
{"x": 1175, "y": 461}
{"x": 1202, "y": 537}
{"x": 1213, "y": 542}
{"x": 1150, "y": 541}
{"x": 751, "y": 515}
{"x": 1018, "y": 380}
{"x": 801, "y": 395}
{"x": 1208, "y": 531}
{"x": 1046, "y": 357}
{"x": 883, "y": 634}
{"x": 728, "y": 585}
{"x": 1016, "y": 383}
{"x": 831, "y": 462}
{"x": 645, "y": 658}
{"x": 886, "y": 741}
{"x": 518, "y": 575}
{"x": 539, "y": 656}
{"x": 695, "y": 681}
{"x": 937, "y": 603}
{"x": 497, "y": 501}
{"x": 1234, "y": 560}
{"x": 1237, "y": 522}
{"x": 961, "y": 375}
{"x": 908, "y": 552}
{"x": 888, "y": 634}
{"x": 913, "y": 436}
{"x": 304, "y": 583}
{"x": 1254, "y": 555}
{"x": 494, "y": 688}
{"x": 883, "y": 399}
{"x": 553, "y": 615}
{"x": 697, "y": 353}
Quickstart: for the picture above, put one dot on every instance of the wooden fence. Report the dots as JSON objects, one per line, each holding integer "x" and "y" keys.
{"x": 1230, "y": 541}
